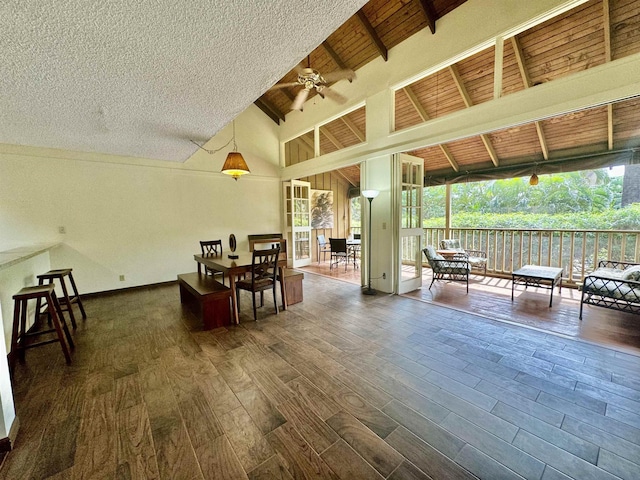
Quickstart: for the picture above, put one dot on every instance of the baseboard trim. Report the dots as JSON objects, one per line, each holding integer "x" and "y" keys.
{"x": 116, "y": 291}
{"x": 6, "y": 443}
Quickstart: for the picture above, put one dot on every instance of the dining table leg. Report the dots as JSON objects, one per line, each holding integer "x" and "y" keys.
{"x": 234, "y": 298}
{"x": 283, "y": 288}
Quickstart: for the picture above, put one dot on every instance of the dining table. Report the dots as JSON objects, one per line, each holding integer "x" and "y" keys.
{"x": 353, "y": 244}
{"x": 233, "y": 267}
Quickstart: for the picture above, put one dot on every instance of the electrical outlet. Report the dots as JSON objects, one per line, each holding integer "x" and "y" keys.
{"x": 62, "y": 230}
{"x": 384, "y": 276}
{"x": 122, "y": 278}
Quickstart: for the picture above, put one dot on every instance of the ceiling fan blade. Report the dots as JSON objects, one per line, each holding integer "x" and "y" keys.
{"x": 284, "y": 85}
{"x": 300, "y": 99}
{"x": 339, "y": 75}
{"x": 334, "y": 95}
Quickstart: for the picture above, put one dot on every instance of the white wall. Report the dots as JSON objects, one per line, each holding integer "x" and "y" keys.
{"x": 137, "y": 217}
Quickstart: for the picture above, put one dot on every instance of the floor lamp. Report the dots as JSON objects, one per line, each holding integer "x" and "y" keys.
{"x": 369, "y": 195}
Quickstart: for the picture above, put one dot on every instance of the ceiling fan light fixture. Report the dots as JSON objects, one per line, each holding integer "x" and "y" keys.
{"x": 235, "y": 165}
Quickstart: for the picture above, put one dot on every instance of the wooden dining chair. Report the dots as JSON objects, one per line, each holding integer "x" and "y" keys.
{"x": 264, "y": 266}
{"x": 211, "y": 248}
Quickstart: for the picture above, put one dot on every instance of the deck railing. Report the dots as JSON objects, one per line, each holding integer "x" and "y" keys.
{"x": 576, "y": 251}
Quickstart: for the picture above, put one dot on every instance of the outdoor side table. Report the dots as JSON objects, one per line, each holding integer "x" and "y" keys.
{"x": 537, "y": 276}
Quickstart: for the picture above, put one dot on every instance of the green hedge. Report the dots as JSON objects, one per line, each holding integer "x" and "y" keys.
{"x": 627, "y": 218}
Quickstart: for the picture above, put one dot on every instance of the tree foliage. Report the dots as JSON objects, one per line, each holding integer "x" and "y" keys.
{"x": 582, "y": 200}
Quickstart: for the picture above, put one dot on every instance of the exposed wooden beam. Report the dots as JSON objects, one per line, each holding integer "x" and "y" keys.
{"x": 270, "y": 110}
{"x": 288, "y": 94}
{"x": 325, "y": 131}
{"x": 452, "y": 161}
{"x": 610, "y": 126}
{"x": 517, "y": 49}
{"x": 542, "y": 139}
{"x": 498, "y": 66}
{"x": 307, "y": 143}
{"x": 336, "y": 58}
{"x": 490, "y": 150}
{"x": 424, "y": 116}
{"x": 467, "y": 101}
{"x": 416, "y": 103}
{"x": 460, "y": 84}
{"x": 526, "y": 80}
{"x": 345, "y": 177}
{"x": 353, "y": 127}
{"x": 606, "y": 20}
{"x": 429, "y": 13}
{"x": 373, "y": 35}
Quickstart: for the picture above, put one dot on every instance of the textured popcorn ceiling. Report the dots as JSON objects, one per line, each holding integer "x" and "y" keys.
{"x": 142, "y": 77}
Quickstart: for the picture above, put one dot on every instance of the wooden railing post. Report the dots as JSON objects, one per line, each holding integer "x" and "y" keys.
{"x": 501, "y": 263}
{"x": 447, "y": 210}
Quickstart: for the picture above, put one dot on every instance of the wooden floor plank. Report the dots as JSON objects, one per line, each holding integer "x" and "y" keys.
{"x": 246, "y": 439}
{"x": 136, "y": 455}
{"x": 343, "y": 459}
{"x": 309, "y": 425}
{"x": 96, "y": 459}
{"x": 260, "y": 409}
{"x": 300, "y": 460}
{"x": 338, "y": 386}
{"x": 370, "y": 447}
{"x": 270, "y": 469}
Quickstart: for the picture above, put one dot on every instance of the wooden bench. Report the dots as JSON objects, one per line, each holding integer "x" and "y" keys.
{"x": 293, "y": 281}
{"x": 208, "y": 299}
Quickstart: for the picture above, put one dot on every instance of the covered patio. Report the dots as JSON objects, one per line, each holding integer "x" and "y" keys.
{"x": 491, "y": 297}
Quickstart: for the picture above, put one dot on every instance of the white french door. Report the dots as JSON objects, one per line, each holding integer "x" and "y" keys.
{"x": 409, "y": 184}
{"x": 297, "y": 205}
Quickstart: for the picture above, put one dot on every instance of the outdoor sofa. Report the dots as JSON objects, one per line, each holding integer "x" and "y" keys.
{"x": 614, "y": 285}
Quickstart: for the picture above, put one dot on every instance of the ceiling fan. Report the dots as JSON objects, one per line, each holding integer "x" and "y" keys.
{"x": 312, "y": 79}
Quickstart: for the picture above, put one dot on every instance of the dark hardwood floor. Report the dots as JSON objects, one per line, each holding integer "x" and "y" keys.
{"x": 339, "y": 386}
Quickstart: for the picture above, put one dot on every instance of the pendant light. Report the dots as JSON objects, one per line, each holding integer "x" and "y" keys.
{"x": 534, "y": 178}
{"x": 235, "y": 165}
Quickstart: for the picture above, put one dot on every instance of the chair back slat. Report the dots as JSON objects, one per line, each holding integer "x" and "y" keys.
{"x": 264, "y": 266}
{"x": 211, "y": 247}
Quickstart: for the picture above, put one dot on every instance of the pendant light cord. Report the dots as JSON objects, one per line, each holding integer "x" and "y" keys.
{"x": 211, "y": 152}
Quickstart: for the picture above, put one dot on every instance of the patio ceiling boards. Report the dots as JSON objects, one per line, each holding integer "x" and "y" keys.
{"x": 533, "y": 61}
{"x": 588, "y": 36}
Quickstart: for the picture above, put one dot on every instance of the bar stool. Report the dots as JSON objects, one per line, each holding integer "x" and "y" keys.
{"x": 20, "y": 336}
{"x": 68, "y": 300}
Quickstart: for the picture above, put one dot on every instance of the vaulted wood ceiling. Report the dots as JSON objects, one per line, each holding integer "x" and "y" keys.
{"x": 596, "y": 32}
{"x": 590, "y": 35}
{"x": 370, "y": 33}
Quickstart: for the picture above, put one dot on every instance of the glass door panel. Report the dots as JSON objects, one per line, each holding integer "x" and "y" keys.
{"x": 298, "y": 221}
{"x": 410, "y": 222}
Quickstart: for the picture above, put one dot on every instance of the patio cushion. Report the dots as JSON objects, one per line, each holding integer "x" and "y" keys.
{"x": 620, "y": 291}
{"x": 431, "y": 253}
{"x": 477, "y": 260}
{"x": 631, "y": 273}
{"x": 614, "y": 273}
{"x": 451, "y": 244}
{"x": 454, "y": 268}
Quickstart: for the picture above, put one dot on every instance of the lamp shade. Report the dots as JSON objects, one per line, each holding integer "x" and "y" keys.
{"x": 533, "y": 180}
{"x": 235, "y": 165}
{"x": 370, "y": 193}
